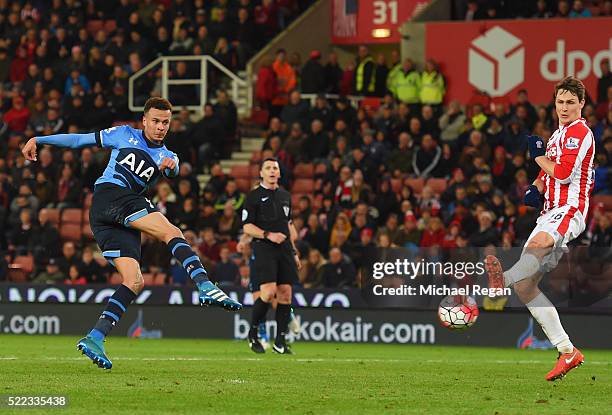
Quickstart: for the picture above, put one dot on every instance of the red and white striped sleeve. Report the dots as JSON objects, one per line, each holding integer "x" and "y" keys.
{"x": 578, "y": 140}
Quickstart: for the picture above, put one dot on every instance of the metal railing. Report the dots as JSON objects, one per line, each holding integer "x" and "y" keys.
{"x": 202, "y": 81}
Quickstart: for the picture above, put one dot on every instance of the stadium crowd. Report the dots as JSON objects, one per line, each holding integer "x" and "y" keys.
{"x": 399, "y": 170}
{"x": 535, "y": 9}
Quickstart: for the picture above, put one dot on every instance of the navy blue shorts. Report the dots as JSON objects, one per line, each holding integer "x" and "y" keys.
{"x": 112, "y": 209}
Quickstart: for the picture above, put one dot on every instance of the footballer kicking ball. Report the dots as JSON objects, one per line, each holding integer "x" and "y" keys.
{"x": 458, "y": 312}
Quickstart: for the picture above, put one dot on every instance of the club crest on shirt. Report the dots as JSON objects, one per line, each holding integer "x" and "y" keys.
{"x": 286, "y": 209}
{"x": 245, "y": 214}
{"x": 572, "y": 143}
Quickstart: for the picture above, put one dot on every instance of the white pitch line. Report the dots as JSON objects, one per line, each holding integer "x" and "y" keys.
{"x": 306, "y": 360}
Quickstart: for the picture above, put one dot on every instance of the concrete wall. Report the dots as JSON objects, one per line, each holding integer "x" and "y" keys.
{"x": 310, "y": 31}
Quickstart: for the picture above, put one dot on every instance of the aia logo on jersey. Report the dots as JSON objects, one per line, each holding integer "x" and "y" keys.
{"x": 140, "y": 166}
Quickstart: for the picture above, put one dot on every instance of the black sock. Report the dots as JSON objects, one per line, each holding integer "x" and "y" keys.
{"x": 283, "y": 312}
{"x": 260, "y": 309}
{"x": 190, "y": 261}
{"x": 117, "y": 305}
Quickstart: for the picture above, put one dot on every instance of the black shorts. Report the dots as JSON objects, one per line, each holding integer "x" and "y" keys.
{"x": 112, "y": 209}
{"x": 272, "y": 263}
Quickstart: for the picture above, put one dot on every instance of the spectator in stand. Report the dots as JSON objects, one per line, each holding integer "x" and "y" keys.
{"x": 333, "y": 75}
{"x": 45, "y": 240}
{"x": 542, "y": 10}
{"x": 604, "y": 107}
{"x": 207, "y": 136}
{"x": 339, "y": 272}
{"x": 406, "y": 86}
{"x": 486, "y": 234}
{"x": 606, "y": 9}
{"x": 578, "y": 10}
{"x": 429, "y": 124}
{"x": 434, "y": 235}
{"x": 75, "y": 277}
{"x": 229, "y": 223}
{"x": 265, "y": 87}
{"x": 51, "y": 274}
{"x": 226, "y": 271}
{"x": 90, "y": 269}
{"x": 311, "y": 273}
{"x": 68, "y": 188}
{"x": 231, "y": 195}
{"x": 317, "y": 143}
{"x": 286, "y": 81}
{"x": 296, "y": 110}
{"x": 17, "y": 117}
{"x": 563, "y": 9}
{"x": 426, "y": 157}
{"x": 21, "y": 239}
{"x": 474, "y": 11}
{"x": 209, "y": 248}
{"x": 451, "y": 122}
{"x": 68, "y": 257}
{"x": 313, "y": 75}
{"x": 381, "y": 72}
{"x": 365, "y": 73}
{"x": 432, "y": 86}
{"x": 400, "y": 160}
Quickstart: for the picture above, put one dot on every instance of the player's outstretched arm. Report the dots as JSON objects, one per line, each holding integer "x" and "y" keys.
{"x": 60, "y": 140}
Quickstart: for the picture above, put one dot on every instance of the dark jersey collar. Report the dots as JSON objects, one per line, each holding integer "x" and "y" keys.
{"x": 151, "y": 143}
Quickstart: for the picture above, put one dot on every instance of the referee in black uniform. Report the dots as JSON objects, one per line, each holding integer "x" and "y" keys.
{"x": 266, "y": 217}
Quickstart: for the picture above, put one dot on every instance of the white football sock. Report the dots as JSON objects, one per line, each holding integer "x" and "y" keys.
{"x": 526, "y": 267}
{"x": 546, "y": 314}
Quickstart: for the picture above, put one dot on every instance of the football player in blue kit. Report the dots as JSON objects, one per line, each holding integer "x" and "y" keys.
{"x": 120, "y": 212}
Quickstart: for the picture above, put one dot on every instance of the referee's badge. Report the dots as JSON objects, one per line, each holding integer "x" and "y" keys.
{"x": 245, "y": 214}
{"x": 286, "y": 209}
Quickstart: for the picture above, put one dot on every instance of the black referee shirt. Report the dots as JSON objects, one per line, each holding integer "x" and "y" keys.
{"x": 268, "y": 209}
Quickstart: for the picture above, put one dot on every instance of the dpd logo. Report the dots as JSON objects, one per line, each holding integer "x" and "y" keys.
{"x": 496, "y": 62}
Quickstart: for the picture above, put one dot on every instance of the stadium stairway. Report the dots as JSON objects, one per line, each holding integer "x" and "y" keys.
{"x": 240, "y": 157}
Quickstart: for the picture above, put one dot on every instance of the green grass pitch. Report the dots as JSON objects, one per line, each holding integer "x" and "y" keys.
{"x": 224, "y": 377}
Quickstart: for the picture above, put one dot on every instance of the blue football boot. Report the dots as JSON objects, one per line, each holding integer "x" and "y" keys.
{"x": 94, "y": 349}
{"x": 210, "y": 294}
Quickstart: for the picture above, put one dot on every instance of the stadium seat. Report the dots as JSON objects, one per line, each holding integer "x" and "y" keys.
{"x": 87, "y": 233}
{"x": 72, "y": 216}
{"x": 87, "y": 201}
{"x": 605, "y": 199}
{"x": 254, "y": 169}
{"x": 24, "y": 263}
{"x": 148, "y": 278}
{"x": 303, "y": 186}
{"x": 115, "y": 279}
{"x": 416, "y": 184}
{"x": 159, "y": 279}
{"x": 240, "y": 172}
{"x": 303, "y": 171}
{"x": 438, "y": 186}
{"x": 54, "y": 216}
{"x": 16, "y": 275}
{"x": 371, "y": 103}
{"x": 256, "y": 157}
{"x": 70, "y": 232}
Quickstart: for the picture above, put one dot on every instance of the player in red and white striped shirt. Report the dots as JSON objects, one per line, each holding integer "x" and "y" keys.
{"x": 565, "y": 181}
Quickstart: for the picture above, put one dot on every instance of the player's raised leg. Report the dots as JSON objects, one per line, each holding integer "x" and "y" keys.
{"x": 156, "y": 225}
{"x": 93, "y": 344}
{"x": 524, "y": 278}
